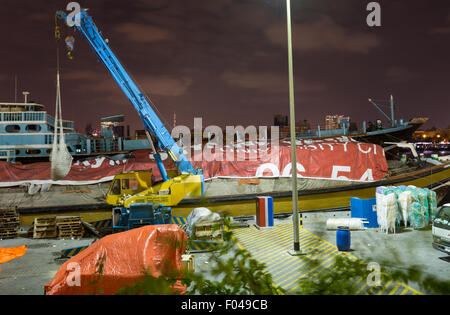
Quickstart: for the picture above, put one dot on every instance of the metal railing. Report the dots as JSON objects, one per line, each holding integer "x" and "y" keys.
{"x": 33, "y": 116}
{"x": 8, "y": 155}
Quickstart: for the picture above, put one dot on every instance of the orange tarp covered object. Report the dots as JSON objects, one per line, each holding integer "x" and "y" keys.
{"x": 121, "y": 259}
{"x": 7, "y": 254}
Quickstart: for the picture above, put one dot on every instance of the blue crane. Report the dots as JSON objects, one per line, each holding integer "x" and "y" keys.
{"x": 135, "y": 95}
{"x": 136, "y": 199}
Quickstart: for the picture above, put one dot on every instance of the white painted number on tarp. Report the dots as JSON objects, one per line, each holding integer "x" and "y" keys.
{"x": 287, "y": 172}
{"x": 337, "y": 169}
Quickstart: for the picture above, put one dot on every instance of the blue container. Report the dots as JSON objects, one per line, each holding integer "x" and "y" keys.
{"x": 343, "y": 239}
{"x": 363, "y": 208}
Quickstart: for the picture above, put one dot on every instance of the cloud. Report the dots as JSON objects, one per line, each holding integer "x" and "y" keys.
{"x": 41, "y": 17}
{"x": 443, "y": 29}
{"x": 400, "y": 74}
{"x": 143, "y": 33}
{"x": 269, "y": 82}
{"x": 323, "y": 34}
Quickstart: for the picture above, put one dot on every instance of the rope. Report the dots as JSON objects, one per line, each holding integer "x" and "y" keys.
{"x": 61, "y": 160}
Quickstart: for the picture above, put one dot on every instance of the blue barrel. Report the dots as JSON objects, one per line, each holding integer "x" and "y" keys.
{"x": 343, "y": 239}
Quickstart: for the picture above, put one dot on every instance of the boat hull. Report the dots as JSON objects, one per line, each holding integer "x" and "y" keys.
{"x": 238, "y": 205}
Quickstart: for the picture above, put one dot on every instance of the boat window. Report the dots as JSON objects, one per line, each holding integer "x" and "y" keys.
{"x": 442, "y": 220}
{"x": 33, "y": 128}
{"x": 12, "y": 128}
{"x": 31, "y": 151}
{"x": 115, "y": 190}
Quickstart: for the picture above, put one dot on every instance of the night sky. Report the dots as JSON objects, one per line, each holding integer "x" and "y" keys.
{"x": 226, "y": 60}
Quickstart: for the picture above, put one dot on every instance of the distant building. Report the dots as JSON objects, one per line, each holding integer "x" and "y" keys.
{"x": 140, "y": 134}
{"x": 112, "y": 127}
{"x": 336, "y": 122}
{"x": 302, "y": 128}
{"x": 281, "y": 121}
{"x": 438, "y": 135}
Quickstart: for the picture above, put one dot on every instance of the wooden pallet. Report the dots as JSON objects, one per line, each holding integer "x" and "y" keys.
{"x": 9, "y": 233}
{"x": 9, "y": 223}
{"x": 44, "y": 228}
{"x": 70, "y": 233}
{"x": 68, "y": 220}
{"x": 211, "y": 231}
{"x": 69, "y": 227}
{"x": 8, "y": 212}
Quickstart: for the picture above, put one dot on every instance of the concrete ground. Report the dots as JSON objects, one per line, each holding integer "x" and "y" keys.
{"x": 27, "y": 275}
{"x": 406, "y": 248}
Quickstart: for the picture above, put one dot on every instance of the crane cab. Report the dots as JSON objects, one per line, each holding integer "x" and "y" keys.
{"x": 128, "y": 184}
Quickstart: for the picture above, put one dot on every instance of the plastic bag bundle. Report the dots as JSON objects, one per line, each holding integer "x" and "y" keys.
{"x": 379, "y": 194}
{"x": 398, "y": 191}
{"x": 420, "y": 196}
{"x": 387, "y": 213}
{"x": 404, "y": 203}
{"x": 416, "y": 206}
{"x": 419, "y": 215}
{"x": 432, "y": 204}
{"x": 423, "y": 197}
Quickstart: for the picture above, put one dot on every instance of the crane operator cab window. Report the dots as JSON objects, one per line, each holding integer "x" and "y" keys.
{"x": 123, "y": 186}
{"x": 115, "y": 189}
{"x": 129, "y": 184}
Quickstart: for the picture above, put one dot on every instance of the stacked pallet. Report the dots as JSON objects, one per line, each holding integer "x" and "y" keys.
{"x": 209, "y": 230}
{"x": 9, "y": 224}
{"x": 69, "y": 227}
{"x": 44, "y": 228}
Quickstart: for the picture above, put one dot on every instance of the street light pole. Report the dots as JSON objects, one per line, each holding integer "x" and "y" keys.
{"x": 296, "y": 250}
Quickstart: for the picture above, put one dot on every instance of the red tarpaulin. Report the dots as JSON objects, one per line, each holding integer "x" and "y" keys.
{"x": 339, "y": 158}
{"x": 120, "y": 260}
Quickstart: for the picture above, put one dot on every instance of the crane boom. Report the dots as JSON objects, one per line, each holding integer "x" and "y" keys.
{"x": 135, "y": 95}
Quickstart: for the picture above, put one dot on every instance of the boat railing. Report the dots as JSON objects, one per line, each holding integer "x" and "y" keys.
{"x": 23, "y": 116}
{"x": 102, "y": 145}
{"x": 35, "y": 117}
{"x": 8, "y": 155}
